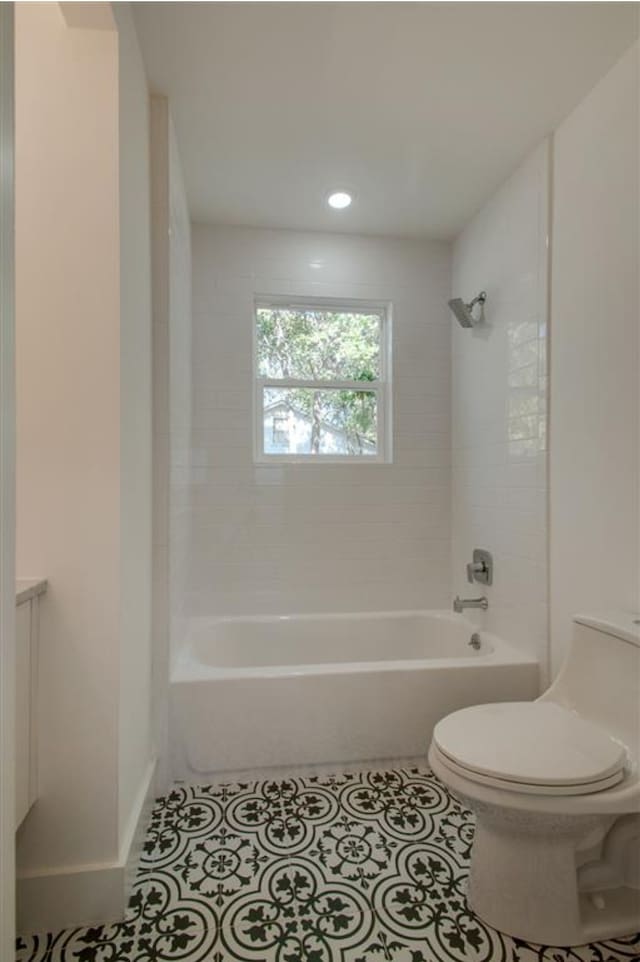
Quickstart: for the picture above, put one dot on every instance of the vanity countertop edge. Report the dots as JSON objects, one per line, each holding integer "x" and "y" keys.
{"x": 28, "y": 588}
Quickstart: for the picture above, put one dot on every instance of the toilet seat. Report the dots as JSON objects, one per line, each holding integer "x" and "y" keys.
{"x": 530, "y": 747}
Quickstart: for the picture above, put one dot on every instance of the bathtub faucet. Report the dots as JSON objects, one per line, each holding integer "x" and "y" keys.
{"x": 459, "y": 604}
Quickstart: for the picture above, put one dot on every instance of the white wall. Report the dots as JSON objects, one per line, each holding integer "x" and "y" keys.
{"x": 83, "y": 450}
{"x": 171, "y": 235}
{"x": 7, "y": 490}
{"x": 499, "y": 406}
{"x": 595, "y": 369}
{"x": 292, "y": 538}
{"x": 68, "y": 420}
{"x": 135, "y": 739}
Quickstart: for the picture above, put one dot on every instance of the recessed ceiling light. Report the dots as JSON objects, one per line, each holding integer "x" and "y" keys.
{"x": 339, "y": 199}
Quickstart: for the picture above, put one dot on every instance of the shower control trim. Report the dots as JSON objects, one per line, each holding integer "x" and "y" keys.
{"x": 480, "y": 569}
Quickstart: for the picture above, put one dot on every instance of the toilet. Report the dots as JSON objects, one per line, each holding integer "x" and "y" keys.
{"x": 555, "y": 788}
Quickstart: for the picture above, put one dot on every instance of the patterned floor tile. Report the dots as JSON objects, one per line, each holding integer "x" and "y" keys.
{"x": 208, "y": 873}
{"x": 160, "y": 903}
{"x": 367, "y": 866}
{"x": 183, "y": 816}
{"x": 174, "y": 946}
{"x": 427, "y": 893}
{"x": 282, "y": 816}
{"x": 404, "y": 804}
{"x": 298, "y": 916}
{"x": 357, "y": 852}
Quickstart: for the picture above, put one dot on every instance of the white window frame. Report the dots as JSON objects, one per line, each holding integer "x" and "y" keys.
{"x": 381, "y": 388}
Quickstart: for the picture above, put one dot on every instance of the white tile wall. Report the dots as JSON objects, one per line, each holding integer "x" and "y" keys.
{"x": 296, "y": 538}
{"x": 499, "y": 391}
{"x": 180, "y": 385}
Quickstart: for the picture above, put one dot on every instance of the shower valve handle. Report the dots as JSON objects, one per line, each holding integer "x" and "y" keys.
{"x": 475, "y": 568}
{"x": 480, "y": 569}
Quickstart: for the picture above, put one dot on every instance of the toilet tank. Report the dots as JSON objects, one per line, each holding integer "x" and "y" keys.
{"x": 600, "y": 678}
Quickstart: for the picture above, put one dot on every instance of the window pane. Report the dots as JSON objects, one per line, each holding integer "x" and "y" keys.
{"x": 320, "y": 422}
{"x": 316, "y": 345}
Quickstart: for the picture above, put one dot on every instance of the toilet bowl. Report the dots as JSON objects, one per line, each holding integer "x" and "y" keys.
{"x": 555, "y": 788}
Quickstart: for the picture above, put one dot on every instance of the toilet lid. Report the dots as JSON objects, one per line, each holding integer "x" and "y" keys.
{"x": 531, "y": 743}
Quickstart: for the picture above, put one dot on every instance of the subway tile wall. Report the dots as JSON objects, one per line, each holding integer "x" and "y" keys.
{"x": 180, "y": 384}
{"x": 312, "y": 537}
{"x": 499, "y": 395}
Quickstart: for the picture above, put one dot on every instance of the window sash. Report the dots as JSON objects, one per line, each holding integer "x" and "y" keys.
{"x": 370, "y": 387}
{"x": 330, "y": 305}
{"x": 379, "y": 387}
{"x": 292, "y": 382}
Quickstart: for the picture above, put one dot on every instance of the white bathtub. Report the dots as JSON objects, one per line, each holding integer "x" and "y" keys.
{"x": 249, "y": 693}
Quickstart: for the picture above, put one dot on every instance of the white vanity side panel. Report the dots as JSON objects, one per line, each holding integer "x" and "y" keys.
{"x": 23, "y": 711}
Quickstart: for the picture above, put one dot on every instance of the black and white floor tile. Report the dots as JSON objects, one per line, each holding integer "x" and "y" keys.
{"x": 358, "y": 867}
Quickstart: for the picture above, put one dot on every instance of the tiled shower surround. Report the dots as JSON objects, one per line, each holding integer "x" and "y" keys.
{"x": 277, "y": 539}
{"x": 499, "y": 414}
{"x": 354, "y": 867}
{"x": 469, "y": 413}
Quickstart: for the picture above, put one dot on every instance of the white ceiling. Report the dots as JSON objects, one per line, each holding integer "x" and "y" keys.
{"x": 422, "y": 109}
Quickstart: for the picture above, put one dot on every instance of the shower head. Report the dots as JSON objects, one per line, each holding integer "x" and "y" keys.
{"x": 461, "y": 311}
{"x": 464, "y": 312}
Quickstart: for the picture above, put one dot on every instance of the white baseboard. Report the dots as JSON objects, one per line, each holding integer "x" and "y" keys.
{"x": 133, "y": 838}
{"x": 56, "y": 899}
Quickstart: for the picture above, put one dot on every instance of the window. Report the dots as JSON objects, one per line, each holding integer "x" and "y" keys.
{"x": 322, "y": 373}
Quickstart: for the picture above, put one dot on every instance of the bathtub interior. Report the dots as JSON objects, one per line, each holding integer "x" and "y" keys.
{"x": 360, "y": 638}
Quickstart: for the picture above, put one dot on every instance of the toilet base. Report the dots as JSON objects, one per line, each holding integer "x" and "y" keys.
{"x": 523, "y": 879}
